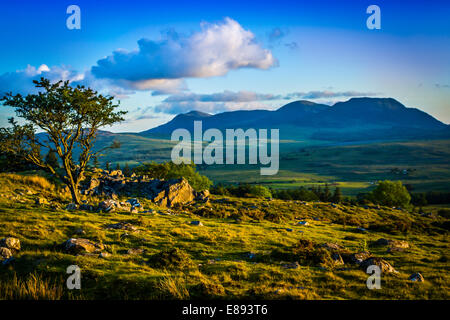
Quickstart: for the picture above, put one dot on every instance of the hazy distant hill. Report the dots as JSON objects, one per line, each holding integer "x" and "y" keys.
{"x": 358, "y": 119}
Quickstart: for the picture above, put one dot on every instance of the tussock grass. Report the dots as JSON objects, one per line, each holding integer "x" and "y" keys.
{"x": 33, "y": 287}
{"x": 34, "y": 182}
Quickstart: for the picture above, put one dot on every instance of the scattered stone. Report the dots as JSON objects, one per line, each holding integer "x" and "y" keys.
{"x": 8, "y": 261}
{"x": 134, "y": 210}
{"x": 197, "y": 223}
{"x": 361, "y": 229}
{"x": 383, "y": 264}
{"x": 80, "y": 246}
{"x": 86, "y": 207}
{"x": 134, "y": 202}
{"x": 108, "y": 205}
{"x": 122, "y": 226}
{"x": 40, "y": 201}
{"x": 293, "y": 265}
{"x": 135, "y": 251}
{"x": 10, "y": 243}
{"x": 79, "y": 231}
{"x": 72, "y": 206}
{"x": 250, "y": 255}
{"x": 302, "y": 223}
{"x": 332, "y": 246}
{"x": 5, "y": 253}
{"x": 395, "y": 245}
{"x": 289, "y": 230}
{"x": 359, "y": 257}
{"x": 416, "y": 277}
{"x": 103, "y": 255}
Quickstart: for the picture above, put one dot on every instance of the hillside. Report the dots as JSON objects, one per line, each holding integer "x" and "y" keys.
{"x": 243, "y": 248}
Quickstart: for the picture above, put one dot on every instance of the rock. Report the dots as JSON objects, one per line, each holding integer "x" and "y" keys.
{"x": 337, "y": 259}
{"x": 197, "y": 223}
{"x": 202, "y": 195}
{"x": 359, "y": 257}
{"x": 135, "y": 251}
{"x": 122, "y": 226}
{"x": 5, "y": 253}
{"x": 332, "y": 246}
{"x": 175, "y": 191}
{"x": 134, "y": 210}
{"x": 103, "y": 255}
{"x": 10, "y": 243}
{"x": 40, "y": 201}
{"x": 393, "y": 243}
{"x": 80, "y": 246}
{"x": 72, "y": 206}
{"x": 293, "y": 265}
{"x": 86, "y": 207}
{"x": 302, "y": 223}
{"x": 79, "y": 231}
{"x": 289, "y": 230}
{"x": 416, "y": 277}
{"x": 108, "y": 205}
{"x": 398, "y": 244}
{"x": 383, "y": 264}
{"x": 116, "y": 173}
{"x": 250, "y": 255}
{"x": 134, "y": 202}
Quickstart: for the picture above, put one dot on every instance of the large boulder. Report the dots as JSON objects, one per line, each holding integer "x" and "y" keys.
{"x": 80, "y": 246}
{"x": 173, "y": 192}
{"x": 381, "y": 263}
{"x": 10, "y": 243}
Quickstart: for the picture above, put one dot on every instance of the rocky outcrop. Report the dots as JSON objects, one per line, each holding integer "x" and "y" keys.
{"x": 163, "y": 192}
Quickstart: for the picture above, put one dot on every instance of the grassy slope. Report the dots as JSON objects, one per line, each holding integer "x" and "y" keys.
{"x": 221, "y": 267}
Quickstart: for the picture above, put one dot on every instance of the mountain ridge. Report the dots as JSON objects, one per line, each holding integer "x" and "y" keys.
{"x": 377, "y": 118}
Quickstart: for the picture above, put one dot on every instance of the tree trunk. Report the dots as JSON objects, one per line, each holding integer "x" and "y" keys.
{"x": 74, "y": 192}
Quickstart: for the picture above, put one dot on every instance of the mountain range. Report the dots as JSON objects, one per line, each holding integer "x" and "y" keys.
{"x": 358, "y": 119}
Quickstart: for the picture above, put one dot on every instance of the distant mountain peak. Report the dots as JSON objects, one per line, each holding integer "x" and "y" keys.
{"x": 195, "y": 113}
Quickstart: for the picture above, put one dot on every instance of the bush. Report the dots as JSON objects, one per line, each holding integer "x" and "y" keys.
{"x": 170, "y": 170}
{"x": 390, "y": 193}
{"x": 243, "y": 191}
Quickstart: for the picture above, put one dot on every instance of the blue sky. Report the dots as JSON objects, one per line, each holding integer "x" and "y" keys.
{"x": 161, "y": 58}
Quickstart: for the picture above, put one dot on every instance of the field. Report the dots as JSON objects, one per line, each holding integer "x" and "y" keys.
{"x": 355, "y": 168}
{"x": 244, "y": 249}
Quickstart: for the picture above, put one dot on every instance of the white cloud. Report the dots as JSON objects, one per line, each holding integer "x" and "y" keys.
{"x": 21, "y": 81}
{"x": 214, "y": 51}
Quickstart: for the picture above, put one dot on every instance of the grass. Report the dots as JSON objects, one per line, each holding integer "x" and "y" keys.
{"x": 230, "y": 257}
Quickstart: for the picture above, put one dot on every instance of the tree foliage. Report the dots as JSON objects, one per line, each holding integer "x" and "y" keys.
{"x": 70, "y": 118}
{"x": 170, "y": 170}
